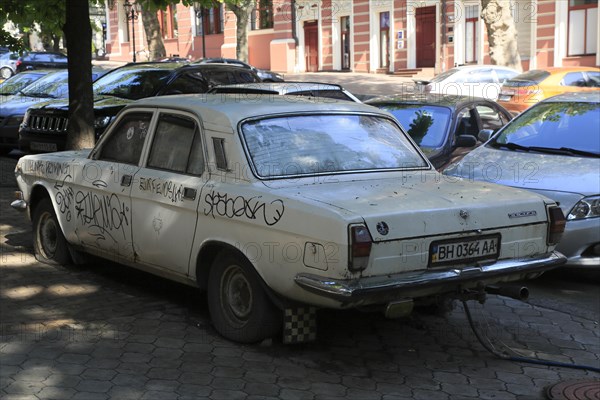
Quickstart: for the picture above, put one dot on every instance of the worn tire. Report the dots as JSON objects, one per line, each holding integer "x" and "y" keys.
{"x": 49, "y": 243}
{"x": 238, "y": 305}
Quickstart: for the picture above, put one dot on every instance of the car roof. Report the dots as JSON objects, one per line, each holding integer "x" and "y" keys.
{"x": 284, "y": 87}
{"x": 228, "y": 110}
{"x": 554, "y": 70}
{"x": 484, "y": 66}
{"x": 581, "y": 97}
{"x": 175, "y": 65}
{"x": 450, "y": 101}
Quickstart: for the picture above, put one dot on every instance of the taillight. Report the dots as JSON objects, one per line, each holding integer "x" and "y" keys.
{"x": 557, "y": 225}
{"x": 360, "y": 247}
{"x": 19, "y": 62}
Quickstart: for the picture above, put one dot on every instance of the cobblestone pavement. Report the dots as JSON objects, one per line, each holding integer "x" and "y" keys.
{"x": 104, "y": 331}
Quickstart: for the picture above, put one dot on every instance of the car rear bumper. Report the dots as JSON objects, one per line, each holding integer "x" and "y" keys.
{"x": 380, "y": 289}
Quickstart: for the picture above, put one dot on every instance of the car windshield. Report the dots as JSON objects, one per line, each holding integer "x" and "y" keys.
{"x": 131, "y": 84}
{"x": 313, "y": 144}
{"x": 18, "y": 82}
{"x": 426, "y": 124}
{"x": 561, "y": 128}
{"x": 54, "y": 85}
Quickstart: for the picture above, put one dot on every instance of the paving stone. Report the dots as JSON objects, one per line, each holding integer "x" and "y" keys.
{"x": 94, "y": 386}
{"x": 136, "y": 357}
{"x": 167, "y": 353}
{"x": 293, "y": 383}
{"x": 72, "y": 358}
{"x": 94, "y": 396}
{"x": 130, "y": 380}
{"x": 227, "y": 395}
{"x": 397, "y": 389}
{"x": 421, "y": 394}
{"x": 125, "y": 392}
{"x": 358, "y": 394}
{"x": 293, "y": 394}
{"x": 262, "y": 389}
{"x": 328, "y": 389}
{"x": 69, "y": 369}
{"x": 187, "y": 389}
{"x": 162, "y": 385}
{"x": 159, "y": 395}
{"x": 454, "y": 389}
{"x": 133, "y": 368}
{"x": 56, "y": 393}
{"x": 163, "y": 373}
{"x": 195, "y": 378}
{"x": 61, "y": 380}
{"x": 23, "y": 387}
{"x": 227, "y": 383}
{"x": 260, "y": 377}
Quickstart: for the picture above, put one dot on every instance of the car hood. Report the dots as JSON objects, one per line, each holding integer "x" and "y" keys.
{"x": 17, "y": 104}
{"x": 532, "y": 171}
{"x": 419, "y": 206}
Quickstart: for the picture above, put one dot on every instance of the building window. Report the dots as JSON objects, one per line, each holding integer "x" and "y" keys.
{"x": 262, "y": 15}
{"x": 384, "y": 39}
{"x": 583, "y": 27}
{"x": 168, "y": 22}
{"x": 211, "y": 18}
{"x": 471, "y": 34}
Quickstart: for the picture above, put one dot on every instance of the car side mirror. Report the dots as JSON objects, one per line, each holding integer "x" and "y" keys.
{"x": 485, "y": 135}
{"x": 466, "y": 141}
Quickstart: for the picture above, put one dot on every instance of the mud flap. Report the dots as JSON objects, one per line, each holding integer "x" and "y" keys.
{"x": 299, "y": 325}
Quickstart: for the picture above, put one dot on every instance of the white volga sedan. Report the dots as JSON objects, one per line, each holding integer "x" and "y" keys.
{"x": 277, "y": 208}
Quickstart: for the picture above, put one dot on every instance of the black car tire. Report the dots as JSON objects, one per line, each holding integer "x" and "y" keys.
{"x": 239, "y": 307}
{"x": 49, "y": 243}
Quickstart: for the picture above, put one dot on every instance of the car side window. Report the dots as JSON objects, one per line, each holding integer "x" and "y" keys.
{"x": 177, "y": 145}
{"x": 466, "y": 123}
{"x": 490, "y": 118}
{"x": 574, "y": 79}
{"x": 187, "y": 83}
{"x": 593, "y": 79}
{"x": 126, "y": 141}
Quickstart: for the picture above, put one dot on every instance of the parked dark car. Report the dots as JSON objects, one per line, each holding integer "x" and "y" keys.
{"x": 264, "y": 75}
{"x": 316, "y": 90}
{"x": 49, "y": 87}
{"x": 16, "y": 83}
{"x": 41, "y": 59}
{"x": 444, "y": 127}
{"x": 45, "y": 126}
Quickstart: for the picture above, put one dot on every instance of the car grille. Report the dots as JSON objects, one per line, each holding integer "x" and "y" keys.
{"x": 48, "y": 123}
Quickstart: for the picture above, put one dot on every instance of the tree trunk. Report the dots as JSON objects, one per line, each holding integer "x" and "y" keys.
{"x": 242, "y": 10}
{"x": 78, "y": 35}
{"x": 502, "y": 33}
{"x": 156, "y": 47}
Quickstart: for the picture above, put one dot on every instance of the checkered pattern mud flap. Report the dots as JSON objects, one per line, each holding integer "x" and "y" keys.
{"x": 299, "y": 325}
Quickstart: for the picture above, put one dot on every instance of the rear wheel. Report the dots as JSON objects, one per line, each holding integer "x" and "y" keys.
{"x": 49, "y": 243}
{"x": 238, "y": 305}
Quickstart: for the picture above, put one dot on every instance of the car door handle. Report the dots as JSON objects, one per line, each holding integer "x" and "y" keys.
{"x": 126, "y": 180}
{"x": 189, "y": 193}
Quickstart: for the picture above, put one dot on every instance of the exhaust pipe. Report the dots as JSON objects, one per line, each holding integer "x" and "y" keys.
{"x": 517, "y": 293}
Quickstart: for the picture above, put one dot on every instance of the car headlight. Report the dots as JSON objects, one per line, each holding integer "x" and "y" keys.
{"x": 588, "y": 207}
{"x": 102, "y": 122}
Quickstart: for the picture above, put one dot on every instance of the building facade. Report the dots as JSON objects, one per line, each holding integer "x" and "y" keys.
{"x": 375, "y": 36}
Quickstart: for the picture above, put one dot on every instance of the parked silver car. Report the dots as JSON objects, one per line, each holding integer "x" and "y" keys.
{"x": 469, "y": 80}
{"x": 552, "y": 149}
{"x": 8, "y": 65}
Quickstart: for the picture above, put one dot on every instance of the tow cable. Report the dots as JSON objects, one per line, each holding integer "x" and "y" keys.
{"x": 505, "y": 356}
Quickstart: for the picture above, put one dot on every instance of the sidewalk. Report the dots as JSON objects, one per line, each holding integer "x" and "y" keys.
{"x": 104, "y": 331}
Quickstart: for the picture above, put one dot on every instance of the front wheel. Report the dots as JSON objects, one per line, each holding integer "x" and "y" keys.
{"x": 238, "y": 305}
{"x": 49, "y": 243}
{"x": 5, "y": 73}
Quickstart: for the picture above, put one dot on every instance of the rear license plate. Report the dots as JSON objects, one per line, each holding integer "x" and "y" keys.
{"x": 460, "y": 251}
{"x": 43, "y": 146}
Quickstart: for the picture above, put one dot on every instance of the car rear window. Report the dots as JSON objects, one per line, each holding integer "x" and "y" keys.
{"x": 528, "y": 78}
{"x": 18, "y": 82}
{"x": 132, "y": 84}
{"x": 303, "y": 145}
